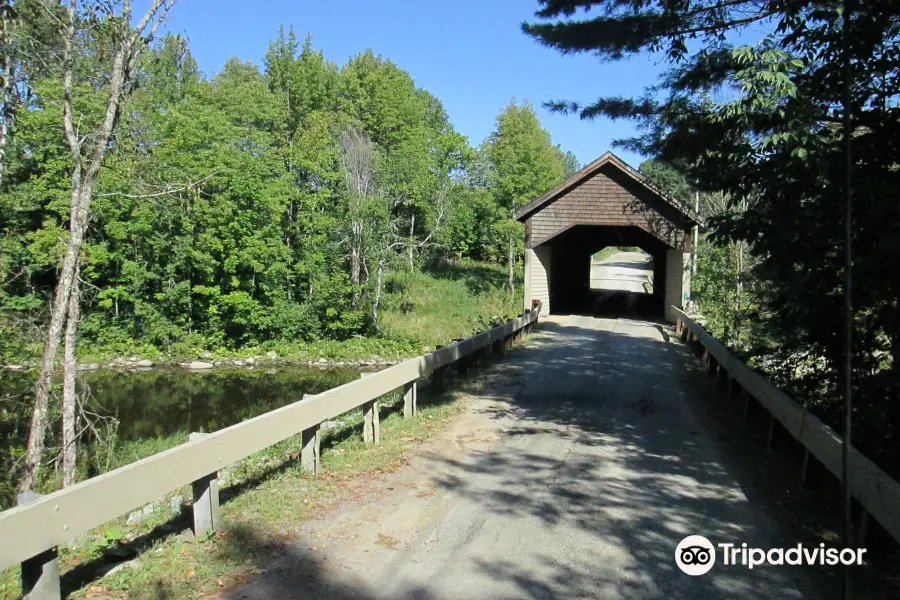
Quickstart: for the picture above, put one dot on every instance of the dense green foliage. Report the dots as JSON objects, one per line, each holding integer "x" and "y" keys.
{"x": 760, "y": 123}
{"x": 524, "y": 165}
{"x": 225, "y": 216}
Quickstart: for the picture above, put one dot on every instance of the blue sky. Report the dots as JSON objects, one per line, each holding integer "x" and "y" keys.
{"x": 471, "y": 55}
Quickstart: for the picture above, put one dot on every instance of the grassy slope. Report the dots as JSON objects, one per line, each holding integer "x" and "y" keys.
{"x": 420, "y": 310}
{"x": 446, "y": 304}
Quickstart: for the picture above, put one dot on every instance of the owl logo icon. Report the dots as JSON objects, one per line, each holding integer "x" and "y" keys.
{"x": 695, "y": 555}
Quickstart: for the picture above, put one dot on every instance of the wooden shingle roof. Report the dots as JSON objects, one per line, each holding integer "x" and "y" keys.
{"x": 588, "y": 171}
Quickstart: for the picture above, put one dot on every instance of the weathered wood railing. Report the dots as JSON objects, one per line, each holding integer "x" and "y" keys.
{"x": 30, "y": 532}
{"x": 876, "y": 492}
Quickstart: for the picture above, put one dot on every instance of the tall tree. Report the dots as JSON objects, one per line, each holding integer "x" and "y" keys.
{"x": 571, "y": 163}
{"x": 525, "y": 164}
{"x": 419, "y": 147}
{"x": 87, "y": 153}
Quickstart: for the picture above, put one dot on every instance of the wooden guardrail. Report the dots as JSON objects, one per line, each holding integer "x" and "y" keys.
{"x": 29, "y": 531}
{"x": 874, "y": 489}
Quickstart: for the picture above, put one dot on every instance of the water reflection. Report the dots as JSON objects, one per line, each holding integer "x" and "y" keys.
{"x": 161, "y": 402}
{"x": 153, "y": 410}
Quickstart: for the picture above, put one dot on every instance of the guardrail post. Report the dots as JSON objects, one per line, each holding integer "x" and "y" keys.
{"x": 729, "y": 387}
{"x": 745, "y": 396}
{"x": 409, "y": 399}
{"x": 437, "y": 380}
{"x": 770, "y": 439}
{"x": 206, "y": 498}
{"x": 499, "y": 347}
{"x": 371, "y": 424}
{"x": 40, "y": 573}
{"x": 721, "y": 375}
{"x": 481, "y": 355}
{"x": 310, "y": 446}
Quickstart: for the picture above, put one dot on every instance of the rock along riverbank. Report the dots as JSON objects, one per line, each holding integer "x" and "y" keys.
{"x": 206, "y": 361}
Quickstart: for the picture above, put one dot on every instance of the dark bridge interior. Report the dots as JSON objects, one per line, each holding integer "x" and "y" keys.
{"x": 570, "y": 273}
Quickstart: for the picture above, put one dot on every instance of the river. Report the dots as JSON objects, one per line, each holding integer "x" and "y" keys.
{"x": 139, "y": 412}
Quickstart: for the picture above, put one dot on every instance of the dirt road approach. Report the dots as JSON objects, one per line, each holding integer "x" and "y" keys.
{"x": 575, "y": 476}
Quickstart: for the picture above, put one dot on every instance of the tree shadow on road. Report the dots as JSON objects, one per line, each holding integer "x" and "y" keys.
{"x": 639, "y": 474}
{"x": 282, "y": 569}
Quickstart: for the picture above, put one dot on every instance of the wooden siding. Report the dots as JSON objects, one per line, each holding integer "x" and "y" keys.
{"x": 608, "y": 199}
{"x": 540, "y": 277}
{"x": 678, "y": 281}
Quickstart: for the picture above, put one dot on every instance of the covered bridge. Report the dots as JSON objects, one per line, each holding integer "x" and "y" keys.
{"x": 607, "y": 203}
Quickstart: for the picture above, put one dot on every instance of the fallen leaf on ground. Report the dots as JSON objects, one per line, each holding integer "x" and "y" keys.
{"x": 386, "y": 540}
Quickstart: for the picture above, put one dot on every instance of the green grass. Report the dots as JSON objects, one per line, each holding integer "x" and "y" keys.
{"x": 258, "y": 521}
{"x": 450, "y": 303}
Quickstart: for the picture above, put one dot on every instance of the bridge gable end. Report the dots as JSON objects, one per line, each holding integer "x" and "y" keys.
{"x": 607, "y": 193}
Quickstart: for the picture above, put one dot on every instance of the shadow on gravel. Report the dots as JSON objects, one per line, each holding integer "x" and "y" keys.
{"x": 294, "y": 573}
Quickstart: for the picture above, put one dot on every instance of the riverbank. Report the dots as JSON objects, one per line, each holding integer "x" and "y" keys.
{"x": 421, "y": 311}
{"x": 143, "y": 399}
{"x": 206, "y": 361}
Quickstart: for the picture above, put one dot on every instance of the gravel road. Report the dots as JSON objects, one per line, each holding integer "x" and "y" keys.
{"x": 624, "y": 271}
{"x": 575, "y": 477}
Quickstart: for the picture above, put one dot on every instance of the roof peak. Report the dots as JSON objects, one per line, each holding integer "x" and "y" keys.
{"x": 588, "y": 171}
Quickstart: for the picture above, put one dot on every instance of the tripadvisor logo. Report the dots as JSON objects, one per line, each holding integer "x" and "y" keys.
{"x": 696, "y": 555}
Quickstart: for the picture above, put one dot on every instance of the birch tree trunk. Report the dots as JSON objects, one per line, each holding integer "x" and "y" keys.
{"x": 356, "y": 230}
{"x": 7, "y": 83}
{"x": 379, "y": 281}
{"x": 69, "y": 400}
{"x": 86, "y": 163}
{"x": 358, "y": 163}
{"x": 59, "y": 311}
{"x": 412, "y": 242}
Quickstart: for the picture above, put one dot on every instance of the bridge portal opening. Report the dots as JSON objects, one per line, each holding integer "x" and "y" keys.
{"x": 606, "y": 204}
{"x": 621, "y": 282}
